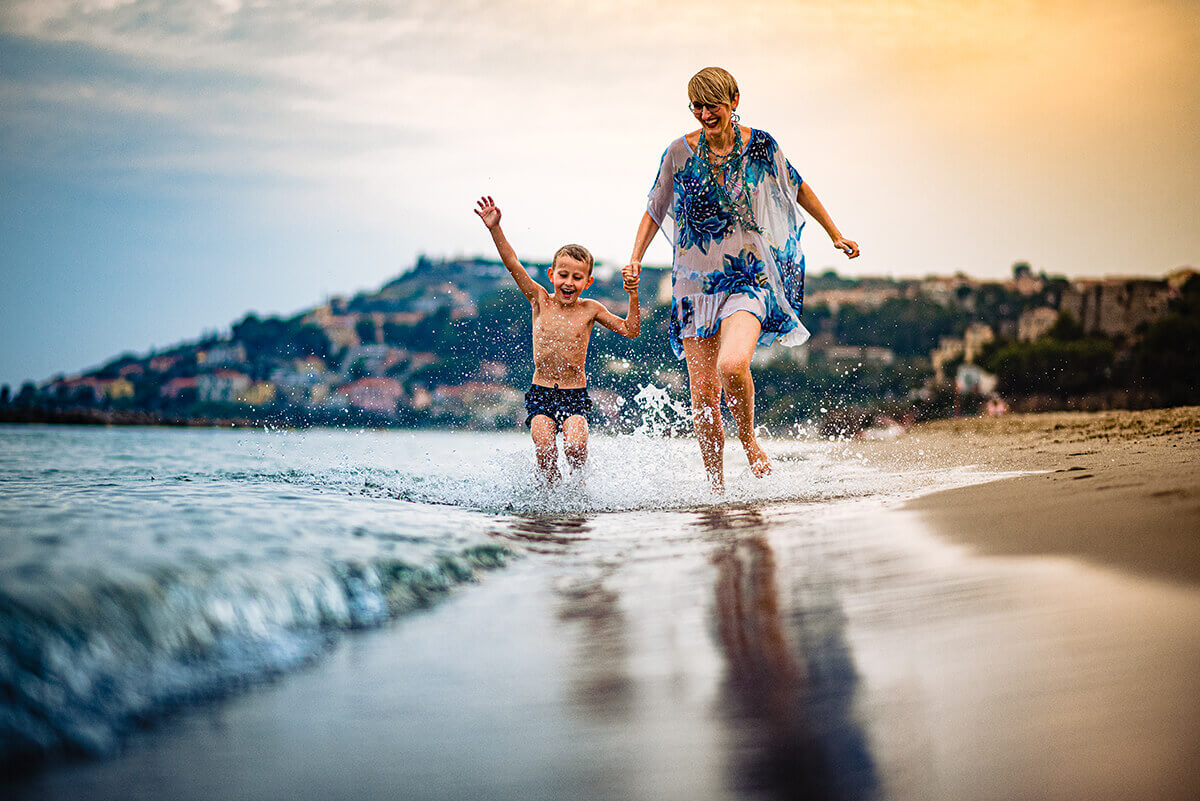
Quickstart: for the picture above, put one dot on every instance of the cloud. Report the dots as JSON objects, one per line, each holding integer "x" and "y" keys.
{"x": 388, "y": 110}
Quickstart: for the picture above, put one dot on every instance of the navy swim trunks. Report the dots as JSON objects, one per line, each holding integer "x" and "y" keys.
{"x": 557, "y": 404}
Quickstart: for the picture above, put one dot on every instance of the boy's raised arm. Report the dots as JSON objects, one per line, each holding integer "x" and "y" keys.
{"x": 489, "y": 212}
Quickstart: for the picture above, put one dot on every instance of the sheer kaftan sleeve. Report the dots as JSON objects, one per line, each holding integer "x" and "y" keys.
{"x": 793, "y": 176}
{"x": 660, "y": 204}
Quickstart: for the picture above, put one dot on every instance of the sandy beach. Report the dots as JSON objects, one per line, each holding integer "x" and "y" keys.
{"x": 1028, "y": 637}
{"x": 1120, "y": 488}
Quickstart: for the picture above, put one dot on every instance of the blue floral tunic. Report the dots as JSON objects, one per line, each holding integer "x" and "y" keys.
{"x": 719, "y": 266}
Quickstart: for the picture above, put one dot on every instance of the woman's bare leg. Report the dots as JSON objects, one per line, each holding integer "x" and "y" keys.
{"x": 739, "y": 336}
{"x": 545, "y": 441}
{"x": 705, "y": 384}
{"x": 575, "y": 436}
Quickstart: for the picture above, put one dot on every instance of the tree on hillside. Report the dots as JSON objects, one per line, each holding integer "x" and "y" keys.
{"x": 909, "y": 326}
{"x": 269, "y": 337}
{"x": 27, "y": 395}
{"x": 1065, "y": 329}
{"x": 1051, "y": 367}
{"x": 365, "y": 329}
{"x": 1167, "y": 359}
{"x": 310, "y": 340}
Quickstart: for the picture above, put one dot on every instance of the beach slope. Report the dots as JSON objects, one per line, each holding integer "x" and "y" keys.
{"x": 1120, "y": 489}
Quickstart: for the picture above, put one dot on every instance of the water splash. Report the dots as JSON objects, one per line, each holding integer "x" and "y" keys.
{"x": 661, "y": 415}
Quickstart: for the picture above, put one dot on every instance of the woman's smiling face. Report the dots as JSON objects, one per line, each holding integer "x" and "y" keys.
{"x": 714, "y": 117}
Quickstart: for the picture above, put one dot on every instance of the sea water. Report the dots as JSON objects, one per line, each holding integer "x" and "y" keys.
{"x": 145, "y": 568}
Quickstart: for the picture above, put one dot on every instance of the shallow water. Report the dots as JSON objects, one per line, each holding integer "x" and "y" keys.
{"x": 625, "y": 635}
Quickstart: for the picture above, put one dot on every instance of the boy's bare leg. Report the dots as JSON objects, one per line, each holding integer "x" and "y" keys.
{"x": 545, "y": 442}
{"x": 739, "y": 336}
{"x": 705, "y": 384}
{"x": 575, "y": 436}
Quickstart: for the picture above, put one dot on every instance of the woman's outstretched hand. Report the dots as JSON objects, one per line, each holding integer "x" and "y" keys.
{"x": 847, "y": 246}
{"x": 488, "y": 211}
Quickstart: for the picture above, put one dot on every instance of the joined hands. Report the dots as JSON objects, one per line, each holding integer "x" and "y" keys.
{"x": 631, "y": 275}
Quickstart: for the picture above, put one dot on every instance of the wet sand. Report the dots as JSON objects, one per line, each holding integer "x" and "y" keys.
{"x": 829, "y": 650}
{"x": 1118, "y": 488}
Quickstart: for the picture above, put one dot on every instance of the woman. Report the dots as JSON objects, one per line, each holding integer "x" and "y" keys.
{"x": 730, "y": 204}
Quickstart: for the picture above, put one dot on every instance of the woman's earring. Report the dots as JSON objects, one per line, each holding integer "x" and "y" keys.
{"x": 735, "y": 118}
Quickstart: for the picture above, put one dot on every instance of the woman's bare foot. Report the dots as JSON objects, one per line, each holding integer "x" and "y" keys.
{"x": 760, "y": 463}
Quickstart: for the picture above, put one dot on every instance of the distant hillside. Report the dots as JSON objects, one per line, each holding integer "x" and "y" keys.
{"x": 448, "y": 343}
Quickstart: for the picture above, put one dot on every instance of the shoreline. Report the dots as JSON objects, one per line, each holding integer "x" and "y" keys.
{"x": 828, "y": 649}
{"x": 1119, "y": 489}
{"x": 83, "y": 416}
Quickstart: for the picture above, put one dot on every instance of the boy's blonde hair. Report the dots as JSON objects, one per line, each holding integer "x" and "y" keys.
{"x": 712, "y": 85}
{"x": 577, "y": 252}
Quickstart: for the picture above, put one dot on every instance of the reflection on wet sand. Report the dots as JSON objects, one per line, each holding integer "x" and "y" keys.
{"x": 540, "y": 534}
{"x": 600, "y": 682}
{"x": 790, "y": 682}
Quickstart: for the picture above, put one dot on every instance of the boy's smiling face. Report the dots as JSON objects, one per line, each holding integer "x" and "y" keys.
{"x": 570, "y": 276}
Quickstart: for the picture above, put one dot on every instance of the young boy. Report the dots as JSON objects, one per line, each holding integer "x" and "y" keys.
{"x": 562, "y": 325}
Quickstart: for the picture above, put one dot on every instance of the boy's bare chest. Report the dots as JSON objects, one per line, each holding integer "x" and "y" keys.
{"x": 563, "y": 326}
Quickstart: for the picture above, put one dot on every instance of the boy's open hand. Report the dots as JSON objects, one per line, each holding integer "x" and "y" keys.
{"x": 489, "y": 212}
{"x": 631, "y": 275}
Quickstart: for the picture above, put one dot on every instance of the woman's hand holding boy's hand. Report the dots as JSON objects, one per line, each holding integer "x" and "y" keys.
{"x": 631, "y": 273}
{"x": 489, "y": 212}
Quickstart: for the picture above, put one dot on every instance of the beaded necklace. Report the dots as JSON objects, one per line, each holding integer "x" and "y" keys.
{"x": 732, "y": 190}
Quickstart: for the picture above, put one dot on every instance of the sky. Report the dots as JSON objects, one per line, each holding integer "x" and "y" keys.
{"x": 167, "y": 166}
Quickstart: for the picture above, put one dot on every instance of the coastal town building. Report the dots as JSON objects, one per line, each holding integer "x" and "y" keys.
{"x": 303, "y": 382}
{"x": 180, "y": 388}
{"x": 341, "y": 329}
{"x": 1024, "y": 282}
{"x": 161, "y": 364}
{"x": 260, "y": 393}
{"x": 949, "y": 350}
{"x": 1177, "y": 278}
{"x": 373, "y": 394}
{"x": 119, "y": 389}
{"x": 80, "y": 389}
{"x": 854, "y": 353}
{"x": 485, "y": 401}
{"x": 422, "y": 398}
{"x": 493, "y": 371}
{"x": 1116, "y": 307}
{"x": 222, "y": 386}
{"x": 779, "y": 354}
{"x": 970, "y": 379}
{"x": 222, "y": 354}
{"x": 372, "y": 359}
{"x": 942, "y": 289}
{"x": 976, "y": 336}
{"x": 1036, "y": 323}
{"x": 865, "y": 297}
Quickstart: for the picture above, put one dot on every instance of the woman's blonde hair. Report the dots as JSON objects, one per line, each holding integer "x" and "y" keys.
{"x": 712, "y": 85}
